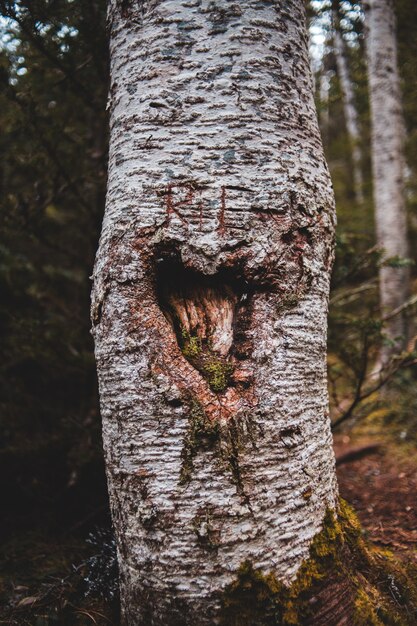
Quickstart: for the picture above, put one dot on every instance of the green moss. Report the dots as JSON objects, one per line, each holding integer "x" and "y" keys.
{"x": 325, "y": 559}
{"x": 374, "y": 588}
{"x": 364, "y": 612}
{"x": 250, "y": 599}
{"x": 215, "y": 369}
{"x": 227, "y": 440}
{"x": 202, "y": 433}
{"x": 218, "y": 373}
{"x": 191, "y": 347}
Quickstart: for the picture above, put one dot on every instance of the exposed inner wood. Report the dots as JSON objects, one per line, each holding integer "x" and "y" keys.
{"x": 206, "y": 312}
{"x": 202, "y": 310}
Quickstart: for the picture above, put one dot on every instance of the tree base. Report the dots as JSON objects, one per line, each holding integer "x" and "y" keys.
{"x": 345, "y": 581}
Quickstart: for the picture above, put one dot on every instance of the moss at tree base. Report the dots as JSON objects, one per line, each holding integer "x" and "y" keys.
{"x": 344, "y": 581}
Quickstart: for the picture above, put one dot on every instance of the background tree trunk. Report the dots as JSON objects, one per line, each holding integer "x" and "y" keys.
{"x": 349, "y": 107}
{"x": 388, "y": 169}
{"x": 210, "y": 302}
{"x": 324, "y": 118}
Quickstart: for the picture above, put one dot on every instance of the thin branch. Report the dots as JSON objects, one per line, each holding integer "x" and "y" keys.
{"x": 401, "y": 308}
{"x": 361, "y": 379}
{"x": 351, "y": 293}
{"x": 357, "y": 453}
{"x": 360, "y": 397}
{"x": 359, "y": 263}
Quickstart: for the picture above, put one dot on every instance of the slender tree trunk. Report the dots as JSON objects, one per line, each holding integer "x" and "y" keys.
{"x": 210, "y": 302}
{"x": 388, "y": 169}
{"x": 324, "y": 88}
{"x": 349, "y": 108}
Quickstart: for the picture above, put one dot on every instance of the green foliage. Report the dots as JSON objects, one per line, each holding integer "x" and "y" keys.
{"x": 355, "y": 327}
{"x": 53, "y": 73}
{"x": 356, "y": 331}
{"x": 398, "y": 261}
{"x": 400, "y": 416}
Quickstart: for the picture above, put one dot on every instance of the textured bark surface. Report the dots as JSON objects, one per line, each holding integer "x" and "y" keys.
{"x": 210, "y": 302}
{"x": 349, "y": 108}
{"x": 388, "y": 167}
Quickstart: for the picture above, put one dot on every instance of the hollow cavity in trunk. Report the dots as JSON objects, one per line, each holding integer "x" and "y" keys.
{"x": 202, "y": 310}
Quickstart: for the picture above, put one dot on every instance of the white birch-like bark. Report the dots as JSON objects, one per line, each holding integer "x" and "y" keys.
{"x": 219, "y": 226}
{"x": 349, "y": 108}
{"x": 324, "y": 118}
{"x": 388, "y": 168}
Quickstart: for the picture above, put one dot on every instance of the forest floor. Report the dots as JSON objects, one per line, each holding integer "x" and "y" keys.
{"x": 40, "y": 586}
{"x": 381, "y": 485}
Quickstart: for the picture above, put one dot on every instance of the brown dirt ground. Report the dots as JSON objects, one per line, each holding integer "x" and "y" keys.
{"x": 382, "y": 488}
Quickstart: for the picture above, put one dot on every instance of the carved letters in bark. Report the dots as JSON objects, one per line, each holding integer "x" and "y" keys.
{"x": 210, "y": 302}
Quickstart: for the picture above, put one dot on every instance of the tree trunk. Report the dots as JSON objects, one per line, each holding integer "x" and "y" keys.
{"x": 324, "y": 117}
{"x": 388, "y": 170}
{"x": 210, "y": 302}
{"x": 349, "y": 108}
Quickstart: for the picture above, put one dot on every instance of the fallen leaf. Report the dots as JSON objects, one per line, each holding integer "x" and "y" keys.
{"x": 28, "y": 600}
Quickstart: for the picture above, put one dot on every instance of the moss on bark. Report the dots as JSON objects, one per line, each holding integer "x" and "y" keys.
{"x": 215, "y": 369}
{"x": 202, "y": 433}
{"x": 226, "y": 440}
{"x": 344, "y": 581}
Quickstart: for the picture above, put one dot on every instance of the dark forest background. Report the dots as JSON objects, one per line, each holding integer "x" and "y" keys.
{"x": 58, "y": 553}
